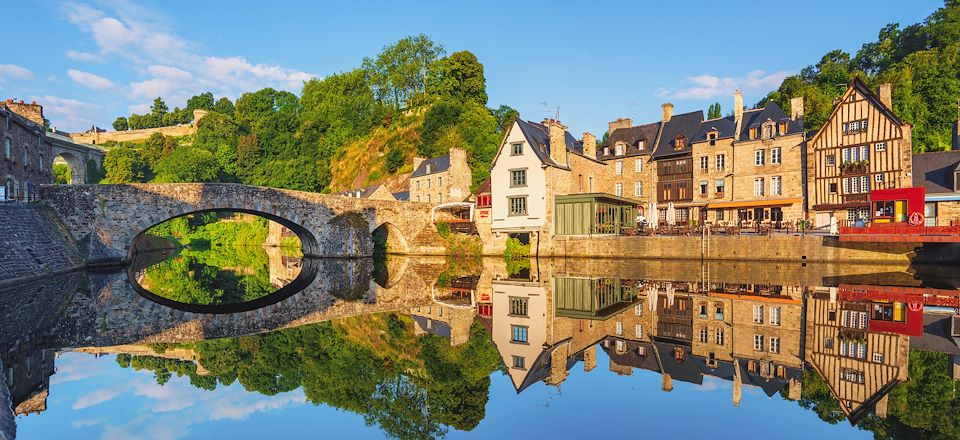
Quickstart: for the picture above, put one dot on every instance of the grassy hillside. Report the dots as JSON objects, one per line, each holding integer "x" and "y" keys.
{"x": 363, "y": 162}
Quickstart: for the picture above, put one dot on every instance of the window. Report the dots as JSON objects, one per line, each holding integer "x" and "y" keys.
{"x": 26, "y": 155}
{"x": 880, "y": 146}
{"x": 828, "y": 343}
{"x": 703, "y": 187}
{"x": 833, "y": 188}
{"x": 775, "y": 315}
{"x": 428, "y": 198}
{"x": 864, "y": 153}
{"x": 720, "y": 215}
{"x": 428, "y": 171}
{"x": 718, "y": 336}
{"x": 878, "y": 358}
{"x": 721, "y": 162}
{"x": 606, "y": 151}
{"x": 846, "y": 185}
{"x": 774, "y": 344}
{"x": 759, "y": 157}
{"x": 418, "y": 184}
{"x": 637, "y": 189}
{"x": 864, "y": 184}
{"x": 878, "y": 178}
{"x": 619, "y": 166}
{"x": 758, "y": 186}
{"x": 638, "y": 310}
{"x": 855, "y": 185}
{"x": 518, "y": 362}
{"x": 618, "y": 189}
{"x": 518, "y": 178}
{"x": 641, "y": 144}
{"x": 679, "y": 142}
{"x": 429, "y": 181}
{"x": 7, "y": 150}
{"x": 713, "y": 138}
{"x": 703, "y": 310}
{"x": 518, "y": 306}
{"x": 439, "y": 181}
{"x": 831, "y": 160}
{"x": 767, "y": 131}
{"x": 758, "y": 314}
{"x": 704, "y": 163}
{"x": 518, "y": 334}
{"x": 619, "y": 328}
{"x": 618, "y": 150}
{"x": 621, "y": 346}
{"x": 516, "y": 149}
{"x": 719, "y": 186}
{"x": 703, "y": 335}
{"x": 638, "y": 165}
{"x": 518, "y": 205}
{"x": 775, "y": 156}
{"x": 439, "y": 198}
{"x": 758, "y": 342}
{"x": 639, "y": 331}
{"x": 851, "y": 375}
{"x": 845, "y": 155}
{"x": 776, "y": 185}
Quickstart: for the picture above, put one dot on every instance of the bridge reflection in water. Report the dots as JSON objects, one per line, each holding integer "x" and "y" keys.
{"x": 851, "y": 330}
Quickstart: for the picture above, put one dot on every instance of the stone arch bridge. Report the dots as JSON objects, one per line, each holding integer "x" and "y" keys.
{"x": 77, "y": 156}
{"x": 106, "y": 219}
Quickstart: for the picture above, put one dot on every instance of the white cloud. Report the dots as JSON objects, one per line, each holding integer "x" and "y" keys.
{"x": 232, "y": 409}
{"x": 66, "y": 112}
{"x": 170, "y": 66}
{"x": 14, "y": 71}
{"x": 90, "y": 80}
{"x": 86, "y": 57}
{"x": 710, "y": 86}
{"x": 96, "y": 397}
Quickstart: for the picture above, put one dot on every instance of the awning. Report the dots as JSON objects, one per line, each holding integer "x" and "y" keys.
{"x": 755, "y": 203}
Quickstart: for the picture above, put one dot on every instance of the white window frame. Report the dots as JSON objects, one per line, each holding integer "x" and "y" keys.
{"x": 880, "y": 146}
{"x": 776, "y": 185}
{"x": 758, "y": 314}
{"x": 619, "y": 328}
{"x": 759, "y": 156}
{"x": 516, "y": 149}
{"x": 618, "y": 149}
{"x": 846, "y": 185}
{"x": 703, "y": 336}
{"x": 638, "y": 189}
{"x": 757, "y": 342}
{"x": 775, "y": 315}
{"x": 774, "y": 344}
{"x": 638, "y": 329}
{"x": 704, "y": 163}
{"x": 864, "y": 184}
{"x": 878, "y": 178}
{"x": 619, "y": 167}
{"x": 721, "y": 162}
{"x": 758, "y": 187}
{"x": 618, "y": 189}
{"x": 878, "y": 357}
{"x": 718, "y": 336}
{"x": 638, "y": 165}
{"x": 775, "y": 156}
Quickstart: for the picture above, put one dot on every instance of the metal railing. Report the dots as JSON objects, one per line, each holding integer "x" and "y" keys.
{"x": 15, "y": 195}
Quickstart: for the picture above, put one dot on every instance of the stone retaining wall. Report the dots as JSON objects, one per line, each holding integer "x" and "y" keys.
{"x": 769, "y": 248}
{"x": 34, "y": 244}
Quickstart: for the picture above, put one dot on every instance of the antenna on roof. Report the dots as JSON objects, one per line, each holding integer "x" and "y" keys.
{"x": 558, "y": 113}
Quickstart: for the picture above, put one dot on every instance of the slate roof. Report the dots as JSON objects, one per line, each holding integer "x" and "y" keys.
{"x": 770, "y": 386}
{"x": 632, "y": 357}
{"x": 539, "y": 135}
{"x": 725, "y": 128}
{"x": 935, "y": 171}
{"x": 437, "y": 165}
{"x": 686, "y": 370}
{"x": 433, "y": 326}
{"x": 630, "y": 136}
{"x": 402, "y": 196}
{"x": 727, "y": 125}
{"x": 363, "y": 192}
{"x": 686, "y": 124}
{"x": 936, "y": 335}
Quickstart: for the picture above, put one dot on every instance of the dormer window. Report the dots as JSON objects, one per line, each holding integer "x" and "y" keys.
{"x": 678, "y": 143}
{"x": 712, "y": 137}
{"x": 754, "y": 131}
{"x": 641, "y": 144}
{"x": 783, "y": 127}
{"x": 956, "y": 180}
{"x": 606, "y": 151}
{"x": 428, "y": 168}
{"x": 618, "y": 149}
{"x": 767, "y": 129}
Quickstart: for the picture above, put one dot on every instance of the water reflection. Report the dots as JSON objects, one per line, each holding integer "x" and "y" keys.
{"x": 414, "y": 346}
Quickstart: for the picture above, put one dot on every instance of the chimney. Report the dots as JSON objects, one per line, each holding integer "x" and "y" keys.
{"x": 737, "y": 391}
{"x": 558, "y": 142}
{"x": 666, "y": 382}
{"x": 666, "y": 111}
{"x": 590, "y": 358}
{"x": 589, "y": 145}
{"x": 737, "y": 111}
{"x": 796, "y": 108}
{"x": 885, "y": 94}
{"x": 32, "y": 112}
{"x": 619, "y": 123}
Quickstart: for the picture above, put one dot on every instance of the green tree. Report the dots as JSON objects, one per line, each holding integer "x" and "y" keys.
{"x": 61, "y": 173}
{"x": 188, "y": 164}
{"x": 120, "y": 124}
{"x": 459, "y": 77}
{"x": 224, "y": 106}
{"x": 124, "y": 165}
{"x": 159, "y": 108}
{"x": 714, "y": 111}
{"x": 399, "y": 72}
{"x": 395, "y": 159}
{"x": 505, "y": 116}
{"x": 203, "y": 101}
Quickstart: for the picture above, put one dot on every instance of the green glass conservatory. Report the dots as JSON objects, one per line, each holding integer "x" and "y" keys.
{"x": 593, "y": 214}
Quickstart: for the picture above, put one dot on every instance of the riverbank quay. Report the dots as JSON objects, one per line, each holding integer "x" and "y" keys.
{"x": 34, "y": 244}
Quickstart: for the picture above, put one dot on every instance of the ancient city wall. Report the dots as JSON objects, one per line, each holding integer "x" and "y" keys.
{"x": 34, "y": 244}
{"x": 132, "y": 135}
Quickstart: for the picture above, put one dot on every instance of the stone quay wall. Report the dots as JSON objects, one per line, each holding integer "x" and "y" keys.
{"x": 34, "y": 244}
{"x": 755, "y": 248}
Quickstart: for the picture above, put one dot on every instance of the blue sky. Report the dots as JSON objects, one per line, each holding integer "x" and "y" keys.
{"x": 95, "y": 398}
{"x": 90, "y": 61}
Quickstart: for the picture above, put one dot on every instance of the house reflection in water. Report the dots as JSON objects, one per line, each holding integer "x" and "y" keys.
{"x": 758, "y": 335}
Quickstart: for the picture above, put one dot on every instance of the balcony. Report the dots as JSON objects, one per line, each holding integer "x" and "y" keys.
{"x": 855, "y": 197}
{"x": 854, "y": 168}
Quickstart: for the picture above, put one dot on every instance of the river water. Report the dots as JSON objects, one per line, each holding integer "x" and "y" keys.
{"x": 183, "y": 345}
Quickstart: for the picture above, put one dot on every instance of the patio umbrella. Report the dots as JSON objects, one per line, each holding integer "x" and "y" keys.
{"x": 653, "y": 216}
{"x": 671, "y": 214}
{"x": 670, "y": 293}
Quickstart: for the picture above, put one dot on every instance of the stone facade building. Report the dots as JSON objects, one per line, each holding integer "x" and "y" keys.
{"x": 441, "y": 179}
{"x": 749, "y": 166}
{"x": 375, "y": 192}
{"x": 672, "y": 162}
{"x": 862, "y": 146}
{"x": 26, "y": 160}
{"x": 628, "y": 149}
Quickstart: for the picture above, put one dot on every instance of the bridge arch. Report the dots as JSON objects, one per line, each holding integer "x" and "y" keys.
{"x": 78, "y": 169}
{"x": 308, "y": 241}
{"x": 391, "y": 237}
